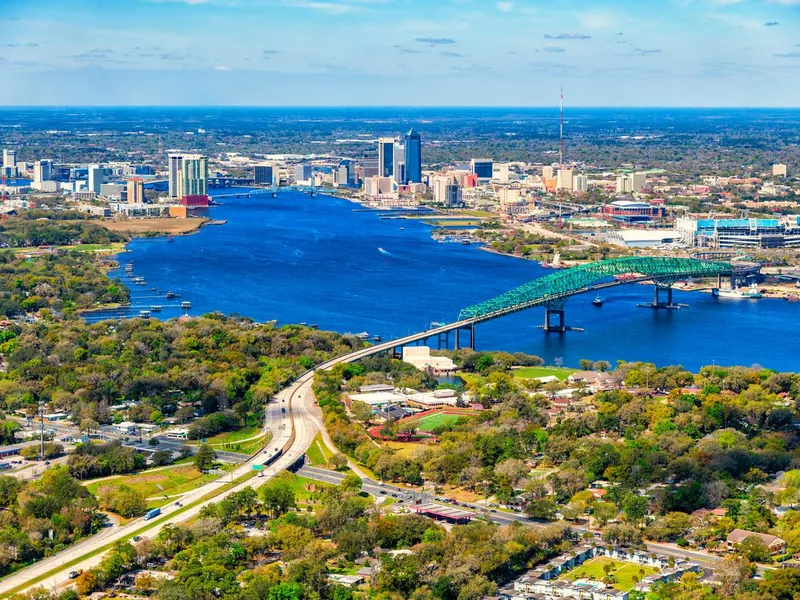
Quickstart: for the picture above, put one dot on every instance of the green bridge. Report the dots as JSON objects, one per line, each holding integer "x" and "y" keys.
{"x": 553, "y": 290}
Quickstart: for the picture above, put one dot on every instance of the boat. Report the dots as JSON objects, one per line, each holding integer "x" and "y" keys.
{"x": 145, "y": 314}
{"x": 170, "y": 238}
{"x": 376, "y": 338}
{"x": 186, "y": 304}
{"x": 792, "y": 298}
{"x": 466, "y": 242}
{"x": 155, "y": 308}
{"x": 363, "y": 335}
{"x": 402, "y": 229}
{"x": 598, "y": 301}
{"x": 750, "y": 293}
{"x": 171, "y": 295}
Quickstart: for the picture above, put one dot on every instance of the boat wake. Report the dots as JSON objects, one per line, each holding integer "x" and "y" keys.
{"x": 386, "y": 252}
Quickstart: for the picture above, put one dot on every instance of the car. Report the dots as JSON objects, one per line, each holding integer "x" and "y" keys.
{"x": 394, "y": 495}
{"x": 47, "y": 462}
{"x": 137, "y": 538}
{"x": 178, "y": 504}
{"x": 399, "y": 501}
{"x": 383, "y": 493}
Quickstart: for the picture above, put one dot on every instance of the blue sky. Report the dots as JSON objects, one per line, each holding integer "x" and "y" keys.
{"x": 400, "y": 52}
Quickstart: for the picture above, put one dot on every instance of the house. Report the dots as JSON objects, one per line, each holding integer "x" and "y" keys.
{"x": 775, "y": 544}
{"x": 126, "y": 427}
{"x": 594, "y": 380}
{"x": 420, "y": 357}
{"x": 346, "y": 580}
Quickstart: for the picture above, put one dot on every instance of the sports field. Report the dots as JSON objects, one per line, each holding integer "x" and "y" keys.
{"x": 533, "y": 372}
{"x": 624, "y": 572}
{"x": 430, "y": 422}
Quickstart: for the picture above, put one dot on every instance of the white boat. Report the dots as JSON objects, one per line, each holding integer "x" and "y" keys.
{"x": 363, "y": 335}
{"x": 750, "y": 293}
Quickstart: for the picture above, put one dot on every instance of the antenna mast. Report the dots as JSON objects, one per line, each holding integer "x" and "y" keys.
{"x": 561, "y": 133}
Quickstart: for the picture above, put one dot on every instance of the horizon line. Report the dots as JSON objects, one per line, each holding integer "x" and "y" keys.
{"x": 397, "y": 106}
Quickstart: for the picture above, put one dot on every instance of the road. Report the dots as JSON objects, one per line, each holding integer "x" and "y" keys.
{"x": 294, "y": 421}
{"x": 409, "y": 496}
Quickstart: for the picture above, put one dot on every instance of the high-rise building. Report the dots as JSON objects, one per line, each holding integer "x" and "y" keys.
{"x": 413, "y": 157}
{"x": 265, "y": 174}
{"x": 369, "y": 167}
{"x": 446, "y": 191}
{"x": 10, "y": 162}
{"x": 42, "y": 171}
{"x": 345, "y": 174}
{"x": 779, "y": 170}
{"x": 580, "y": 184}
{"x": 638, "y": 181}
{"x": 95, "y": 178}
{"x": 175, "y": 166}
{"x": 548, "y": 172}
{"x": 303, "y": 172}
{"x": 482, "y": 167}
{"x": 135, "y": 191}
{"x": 194, "y": 176}
{"x": 564, "y": 179}
{"x": 188, "y": 176}
{"x": 386, "y": 157}
{"x": 399, "y": 161}
{"x": 623, "y": 185}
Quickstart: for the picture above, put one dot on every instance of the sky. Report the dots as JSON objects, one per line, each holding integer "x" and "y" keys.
{"x": 400, "y": 52}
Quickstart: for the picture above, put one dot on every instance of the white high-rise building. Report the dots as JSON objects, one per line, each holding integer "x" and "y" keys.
{"x": 564, "y": 180}
{"x": 580, "y": 184}
{"x": 42, "y": 171}
{"x": 95, "y": 179}
{"x": 623, "y": 184}
{"x": 188, "y": 175}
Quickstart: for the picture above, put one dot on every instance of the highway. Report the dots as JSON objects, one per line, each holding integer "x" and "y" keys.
{"x": 293, "y": 430}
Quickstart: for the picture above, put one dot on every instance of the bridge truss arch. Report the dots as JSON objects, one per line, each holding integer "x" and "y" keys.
{"x": 555, "y": 289}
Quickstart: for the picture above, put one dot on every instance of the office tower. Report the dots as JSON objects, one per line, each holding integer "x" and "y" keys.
{"x": 623, "y": 185}
{"x": 482, "y": 167}
{"x": 95, "y": 178}
{"x": 264, "y": 174}
{"x": 580, "y": 184}
{"x": 135, "y": 191}
{"x": 370, "y": 167}
{"x": 638, "y": 181}
{"x": 175, "y": 166}
{"x": 399, "y": 161}
{"x": 303, "y": 172}
{"x": 548, "y": 172}
{"x": 413, "y": 157}
{"x": 10, "y": 163}
{"x": 194, "y": 176}
{"x": 345, "y": 174}
{"x": 564, "y": 179}
{"x": 779, "y": 170}
{"x": 42, "y": 171}
{"x": 386, "y": 157}
{"x": 446, "y": 191}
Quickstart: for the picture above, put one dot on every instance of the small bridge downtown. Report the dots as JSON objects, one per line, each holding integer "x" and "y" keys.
{"x": 554, "y": 290}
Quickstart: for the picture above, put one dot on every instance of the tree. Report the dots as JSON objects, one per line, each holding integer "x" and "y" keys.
{"x": 205, "y": 458}
{"x": 731, "y": 572}
{"x": 362, "y": 411}
{"x": 604, "y": 512}
{"x": 635, "y": 508}
{"x": 278, "y": 497}
{"x": 339, "y": 461}
{"x": 351, "y": 483}
{"x": 754, "y": 549}
{"x": 89, "y": 425}
{"x": 86, "y": 583}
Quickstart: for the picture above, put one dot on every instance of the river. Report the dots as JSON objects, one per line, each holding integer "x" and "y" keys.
{"x": 321, "y": 260}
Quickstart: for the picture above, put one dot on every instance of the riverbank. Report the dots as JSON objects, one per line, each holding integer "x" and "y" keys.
{"x": 155, "y": 227}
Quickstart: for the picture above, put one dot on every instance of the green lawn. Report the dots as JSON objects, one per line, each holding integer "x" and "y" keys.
{"x": 623, "y": 571}
{"x": 175, "y": 480}
{"x": 318, "y": 453}
{"x": 532, "y": 372}
{"x": 301, "y": 493}
{"x": 431, "y": 422}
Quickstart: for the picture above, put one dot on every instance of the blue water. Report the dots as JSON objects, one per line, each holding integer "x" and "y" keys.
{"x": 316, "y": 260}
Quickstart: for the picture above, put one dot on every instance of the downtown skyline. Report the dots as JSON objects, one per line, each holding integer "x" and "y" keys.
{"x": 388, "y": 53}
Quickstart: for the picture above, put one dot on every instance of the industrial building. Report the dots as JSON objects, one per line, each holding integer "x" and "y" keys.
{"x": 740, "y": 233}
{"x": 643, "y": 238}
{"x": 631, "y": 211}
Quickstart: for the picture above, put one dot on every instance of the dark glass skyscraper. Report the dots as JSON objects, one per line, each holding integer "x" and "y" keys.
{"x": 413, "y": 158}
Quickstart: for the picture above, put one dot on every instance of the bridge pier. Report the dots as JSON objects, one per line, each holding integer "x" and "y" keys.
{"x": 471, "y": 343}
{"x": 658, "y": 301}
{"x": 549, "y": 313}
{"x": 443, "y": 336}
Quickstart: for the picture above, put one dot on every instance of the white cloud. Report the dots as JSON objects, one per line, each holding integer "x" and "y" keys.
{"x": 222, "y": 68}
{"x": 505, "y": 6}
{"x": 598, "y": 20}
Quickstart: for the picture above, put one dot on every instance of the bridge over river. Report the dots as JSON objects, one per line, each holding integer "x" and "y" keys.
{"x": 554, "y": 290}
